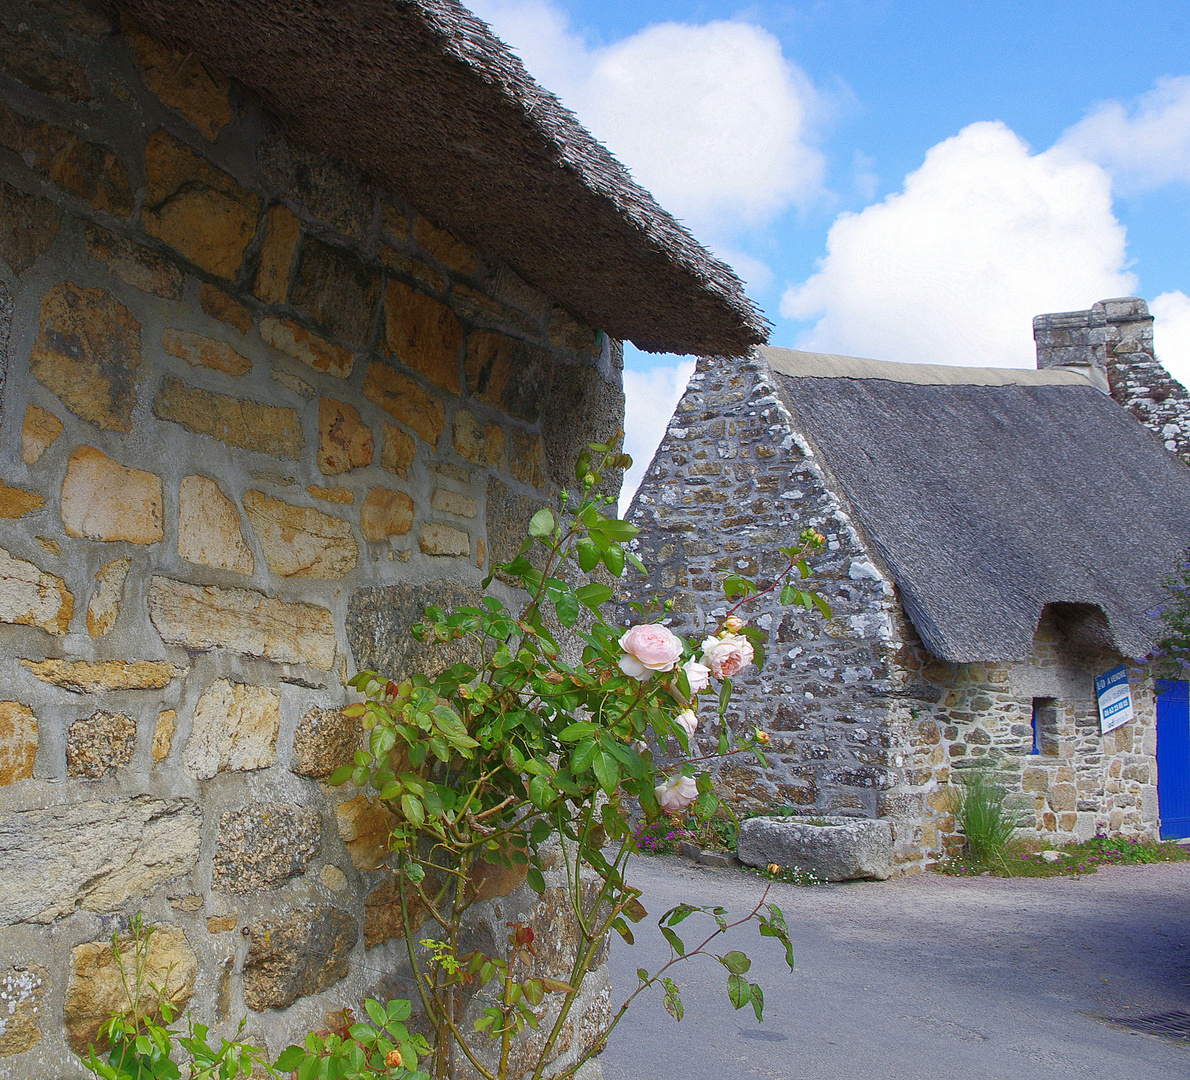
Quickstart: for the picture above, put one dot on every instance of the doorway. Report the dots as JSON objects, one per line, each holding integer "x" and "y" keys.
{"x": 1173, "y": 758}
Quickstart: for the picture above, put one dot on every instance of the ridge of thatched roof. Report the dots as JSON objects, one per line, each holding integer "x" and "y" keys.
{"x": 990, "y": 496}
{"x": 424, "y": 98}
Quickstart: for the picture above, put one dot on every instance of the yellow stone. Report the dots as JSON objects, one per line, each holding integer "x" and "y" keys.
{"x": 29, "y": 597}
{"x": 394, "y": 223}
{"x": 445, "y": 501}
{"x": 385, "y": 513}
{"x": 104, "y": 607}
{"x": 423, "y": 334}
{"x": 445, "y": 247}
{"x": 38, "y": 432}
{"x": 344, "y": 440}
{"x": 163, "y": 734}
{"x": 18, "y": 742}
{"x": 364, "y": 826}
{"x": 299, "y": 541}
{"x": 182, "y": 82}
{"x": 17, "y": 502}
{"x": 200, "y": 618}
{"x": 333, "y": 494}
{"x": 443, "y": 540}
{"x": 481, "y": 444}
{"x": 134, "y": 265}
{"x": 49, "y": 546}
{"x": 209, "y": 527}
{"x": 104, "y": 500}
{"x": 28, "y": 225}
{"x": 22, "y": 990}
{"x": 527, "y": 460}
{"x": 98, "y": 988}
{"x": 88, "y": 352}
{"x": 97, "y": 677}
{"x": 250, "y": 425}
{"x": 399, "y": 451}
{"x": 222, "y": 924}
{"x": 235, "y": 730}
{"x": 405, "y": 399}
{"x": 313, "y": 351}
{"x": 216, "y": 303}
{"x": 333, "y": 878}
{"x": 282, "y": 230}
{"x": 199, "y": 351}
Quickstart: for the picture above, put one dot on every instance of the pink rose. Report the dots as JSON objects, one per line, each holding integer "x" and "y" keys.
{"x": 648, "y": 648}
{"x": 688, "y": 719}
{"x": 726, "y": 655}
{"x": 676, "y": 793}
{"x": 698, "y": 675}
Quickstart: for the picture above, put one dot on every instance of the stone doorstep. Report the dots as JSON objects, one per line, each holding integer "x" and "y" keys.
{"x": 720, "y": 860}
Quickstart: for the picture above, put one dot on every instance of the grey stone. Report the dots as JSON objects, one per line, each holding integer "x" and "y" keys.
{"x": 842, "y": 850}
{"x": 324, "y": 741}
{"x": 263, "y": 845}
{"x": 337, "y": 290}
{"x": 304, "y": 953}
{"x": 95, "y": 855}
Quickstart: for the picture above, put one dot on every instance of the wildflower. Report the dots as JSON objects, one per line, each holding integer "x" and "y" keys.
{"x": 648, "y": 648}
{"x": 726, "y": 655}
{"x": 676, "y": 793}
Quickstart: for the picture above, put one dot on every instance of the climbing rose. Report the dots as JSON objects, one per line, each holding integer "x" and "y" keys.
{"x": 688, "y": 720}
{"x": 649, "y": 648}
{"x": 698, "y": 675}
{"x": 726, "y": 655}
{"x": 676, "y": 793}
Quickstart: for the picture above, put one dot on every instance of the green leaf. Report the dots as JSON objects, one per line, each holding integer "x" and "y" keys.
{"x": 678, "y": 914}
{"x": 632, "y": 558}
{"x": 376, "y": 1011}
{"x": 736, "y": 962}
{"x": 566, "y": 607}
{"x": 739, "y": 990}
{"x": 642, "y": 974}
{"x": 607, "y": 771}
{"x": 593, "y": 594}
{"x": 340, "y": 776}
{"x": 588, "y": 555}
{"x": 541, "y": 792}
{"x": 675, "y": 942}
{"x": 414, "y": 812}
{"x": 757, "y": 1001}
{"x": 291, "y": 1058}
{"x": 535, "y": 879}
{"x": 583, "y": 755}
{"x": 391, "y": 790}
{"x": 724, "y": 696}
{"x": 821, "y": 605}
{"x": 580, "y": 729}
{"x": 613, "y": 559}
{"x": 541, "y": 524}
{"x": 614, "y": 529}
{"x": 673, "y": 1001}
{"x": 788, "y": 593}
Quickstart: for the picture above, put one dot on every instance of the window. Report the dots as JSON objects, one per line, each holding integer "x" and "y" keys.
{"x": 1045, "y": 726}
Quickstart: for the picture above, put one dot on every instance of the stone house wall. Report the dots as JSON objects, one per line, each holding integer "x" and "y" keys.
{"x": 863, "y": 720}
{"x": 256, "y": 413}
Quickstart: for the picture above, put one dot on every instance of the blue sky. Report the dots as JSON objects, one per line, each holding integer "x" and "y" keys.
{"x": 904, "y": 180}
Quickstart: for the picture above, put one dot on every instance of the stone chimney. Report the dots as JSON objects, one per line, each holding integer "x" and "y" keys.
{"x": 1112, "y": 344}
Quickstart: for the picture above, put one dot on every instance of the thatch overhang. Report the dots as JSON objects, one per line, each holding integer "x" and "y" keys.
{"x": 991, "y": 493}
{"x": 423, "y": 97}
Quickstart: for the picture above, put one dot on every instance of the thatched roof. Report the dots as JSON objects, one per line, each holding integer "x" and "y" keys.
{"x": 424, "y": 98}
{"x": 990, "y": 494}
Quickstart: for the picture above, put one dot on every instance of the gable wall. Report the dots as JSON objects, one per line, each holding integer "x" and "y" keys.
{"x": 257, "y": 414}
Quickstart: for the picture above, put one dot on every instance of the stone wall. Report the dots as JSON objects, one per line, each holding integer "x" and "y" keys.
{"x": 257, "y": 413}
{"x": 862, "y": 719}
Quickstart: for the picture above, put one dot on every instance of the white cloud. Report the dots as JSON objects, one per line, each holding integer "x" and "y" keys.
{"x": 951, "y": 270}
{"x": 1142, "y": 148}
{"x": 1171, "y": 333}
{"x": 650, "y": 399}
{"x": 711, "y": 118}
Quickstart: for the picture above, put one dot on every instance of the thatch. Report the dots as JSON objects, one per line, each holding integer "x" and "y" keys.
{"x": 425, "y": 99}
{"x": 988, "y": 502}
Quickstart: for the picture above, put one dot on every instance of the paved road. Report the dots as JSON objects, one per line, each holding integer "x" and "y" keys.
{"x": 921, "y": 978}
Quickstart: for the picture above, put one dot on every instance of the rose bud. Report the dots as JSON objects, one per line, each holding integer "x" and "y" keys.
{"x": 393, "y": 1059}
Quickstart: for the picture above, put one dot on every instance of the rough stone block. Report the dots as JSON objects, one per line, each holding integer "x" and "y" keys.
{"x": 201, "y": 617}
{"x": 98, "y": 986}
{"x": 199, "y": 351}
{"x": 527, "y": 460}
{"x": 209, "y": 527}
{"x": 22, "y": 994}
{"x": 17, "y": 502}
{"x": 316, "y": 353}
{"x": 444, "y": 501}
{"x": 262, "y": 846}
{"x": 30, "y": 58}
{"x": 101, "y": 676}
{"x": 343, "y": 496}
{"x": 443, "y": 540}
{"x": 328, "y": 188}
{"x": 195, "y": 208}
{"x": 299, "y": 541}
{"x": 181, "y": 81}
{"x": 95, "y": 855}
{"x": 399, "y": 451}
{"x": 481, "y": 444}
{"x": 405, "y": 399}
{"x": 281, "y": 232}
{"x": 335, "y": 290}
{"x": 302, "y": 954}
{"x": 163, "y": 734}
{"x": 235, "y": 730}
{"x": 134, "y": 265}
{"x": 422, "y": 334}
{"x": 216, "y": 303}
{"x": 324, "y": 741}
{"x": 29, "y": 597}
{"x": 364, "y": 827}
{"x": 845, "y": 849}
{"x": 28, "y": 225}
{"x": 18, "y": 742}
{"x": 444, "y": 246}
{"x": 99, "y": 744}
{"x": 250, "y": 425}
{"x": 412, "y": 267}
{"x": 38, "y": 432}
{"x": 104, "y": 500}
{"x": 88, "y": 352}
{"x": 298, "y": 386}
{"x": 383, "y": 919}
{"x": 385, "y": 513}
{"x": 507, "y": 373}
{"x": 104, "y": 608}
{"x": 344, "y": 440}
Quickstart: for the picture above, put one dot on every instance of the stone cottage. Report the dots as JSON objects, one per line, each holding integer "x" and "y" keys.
{"x": 304, "y": 309}
{"x": 995, "y": 539}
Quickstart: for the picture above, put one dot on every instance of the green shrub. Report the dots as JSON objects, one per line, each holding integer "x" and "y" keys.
{"x": 987, "y": 824}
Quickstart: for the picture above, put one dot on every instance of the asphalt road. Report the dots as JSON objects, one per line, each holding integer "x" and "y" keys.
{"x": 919, "y": 978}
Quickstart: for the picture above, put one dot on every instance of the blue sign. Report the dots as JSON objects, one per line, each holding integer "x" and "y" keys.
{"x": 1114, "y": 697}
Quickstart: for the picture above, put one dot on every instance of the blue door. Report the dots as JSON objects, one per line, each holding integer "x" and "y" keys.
{"x": 1173, "y": 758}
